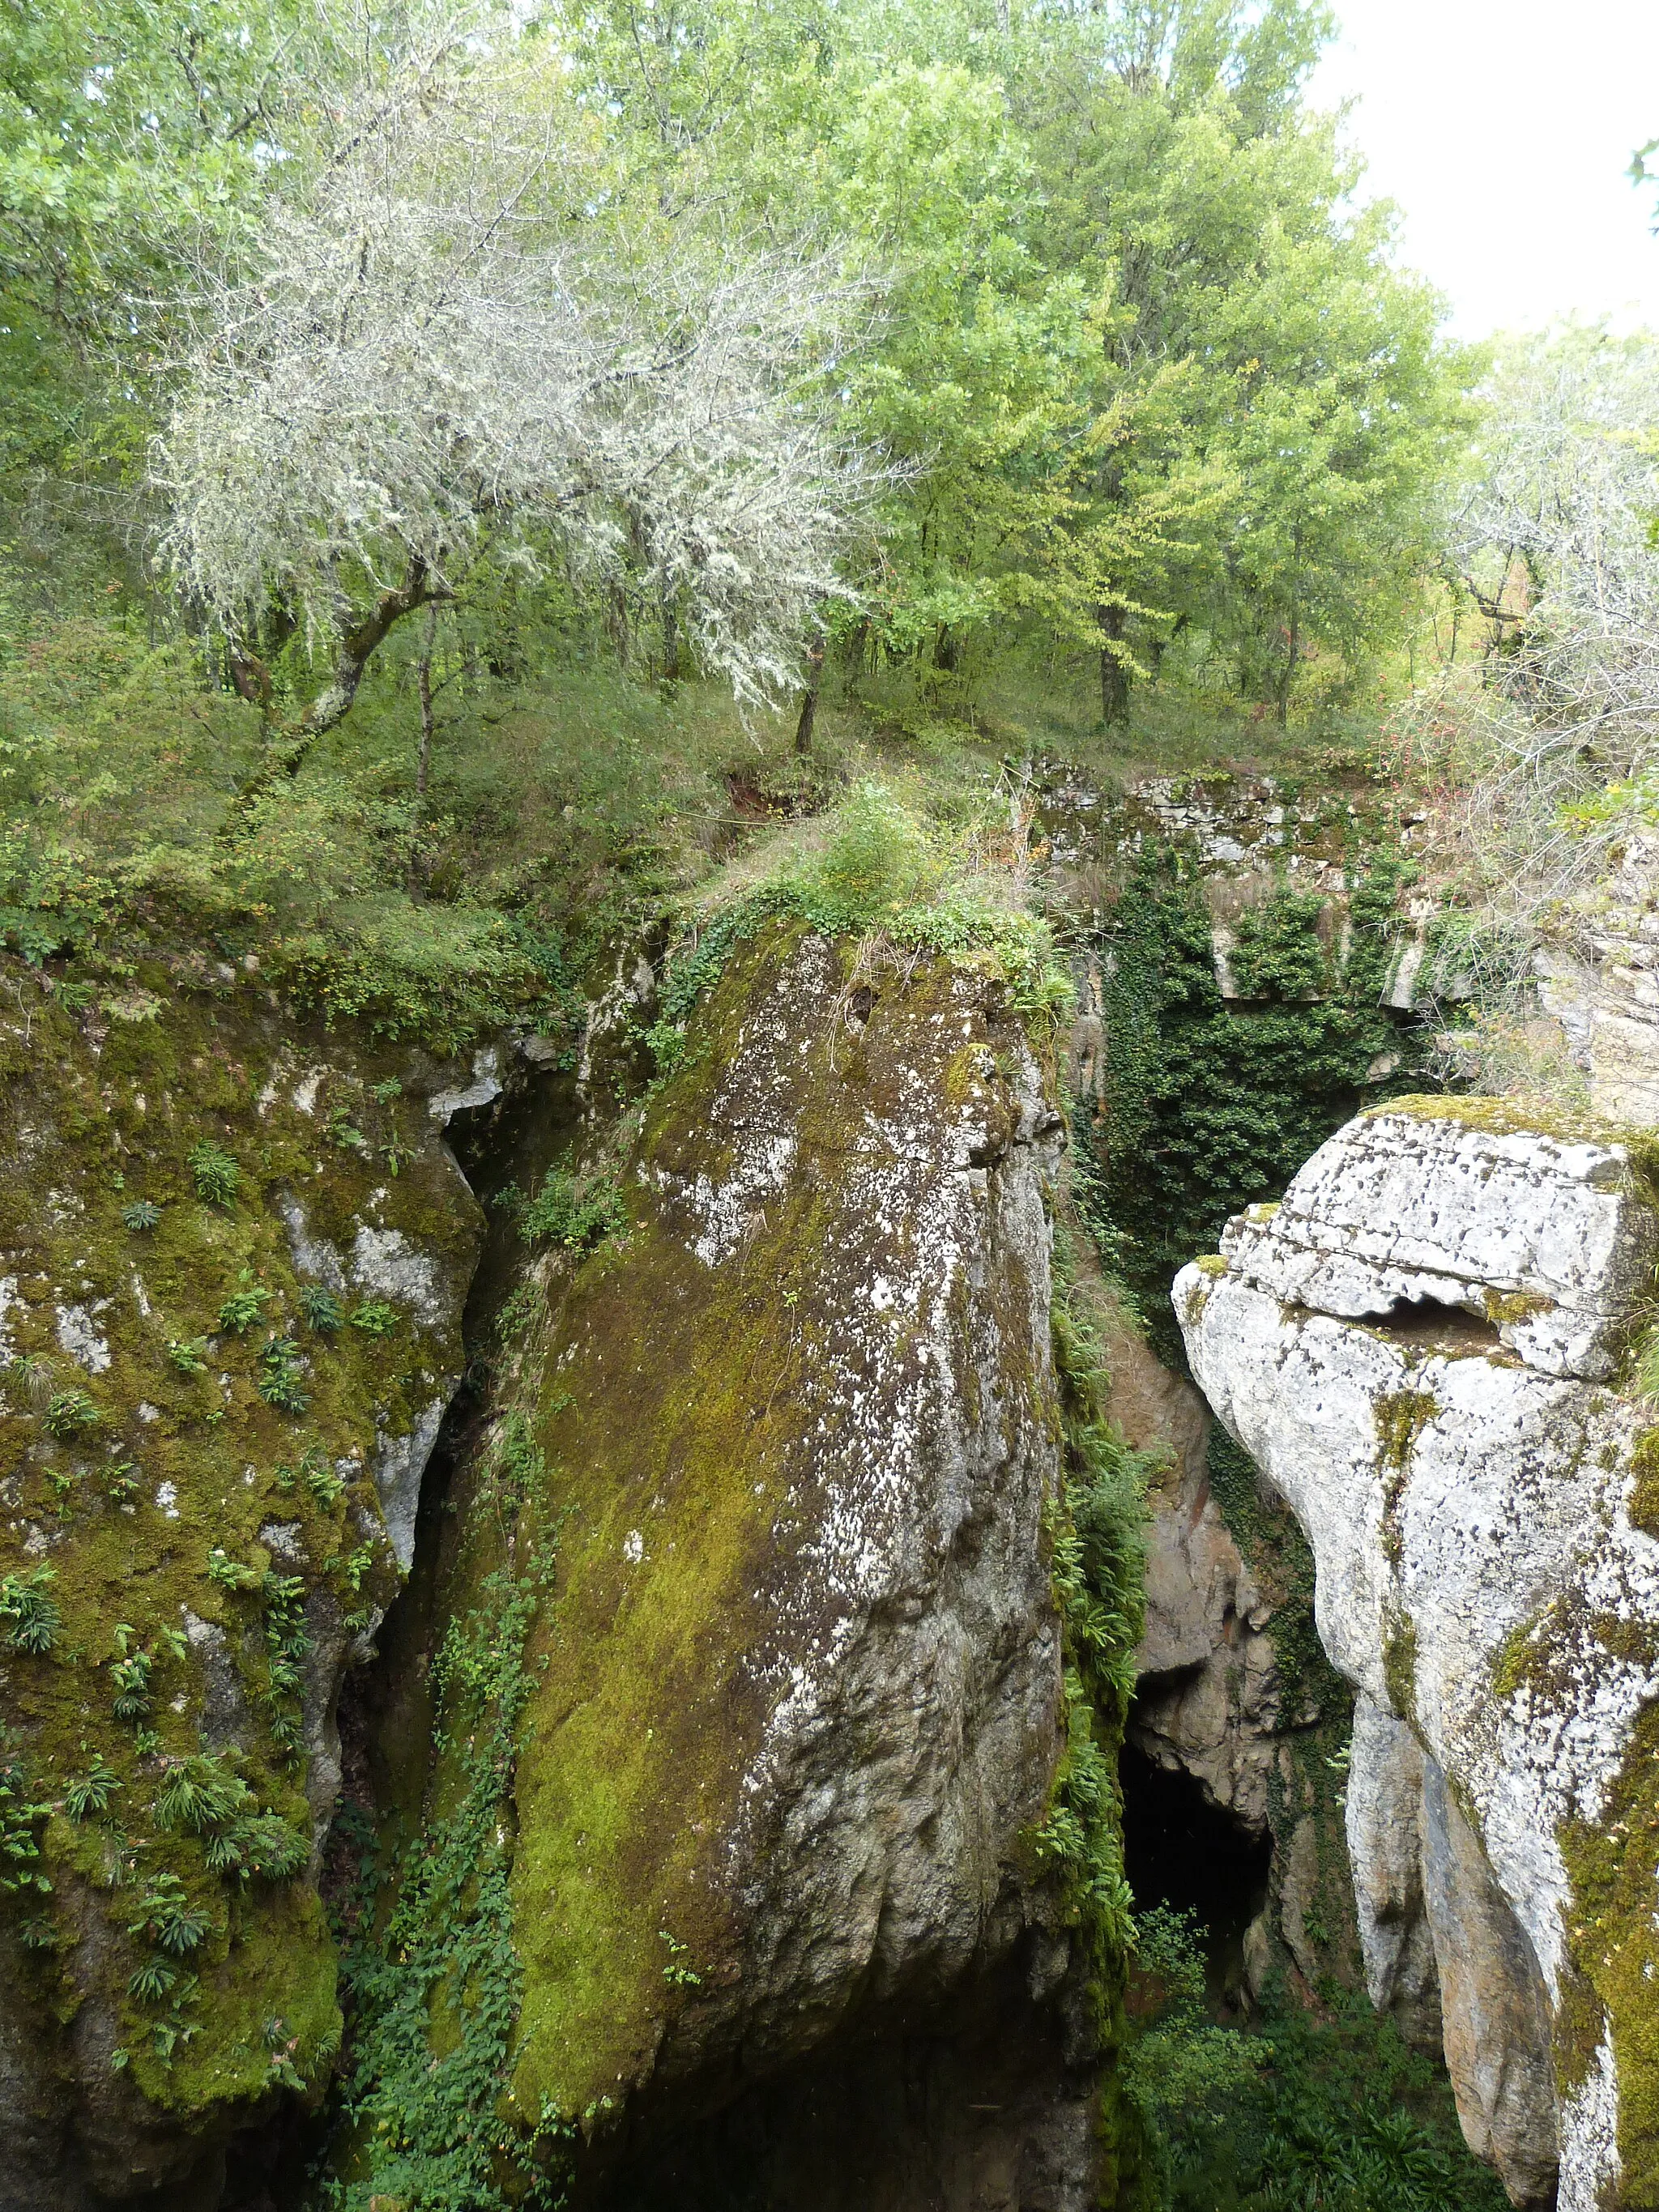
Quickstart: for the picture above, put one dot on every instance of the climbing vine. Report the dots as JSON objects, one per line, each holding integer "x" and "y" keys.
{"x": 1210, "y": 1108}
{"x": 1098, "y": 1529}
{"x": 428, "y": 1971}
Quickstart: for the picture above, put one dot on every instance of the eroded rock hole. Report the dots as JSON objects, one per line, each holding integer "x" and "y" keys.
{"x": 1447, "y": 1328}
{"x": 1180, "y": 1850}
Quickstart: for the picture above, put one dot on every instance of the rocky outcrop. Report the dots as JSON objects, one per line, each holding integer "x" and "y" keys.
{"x": 232, "y": 1260}
{"x": 1600, "y": 982}
{"x": 795, "y": 1708}
{"x": 1420, "y": 1350}
{"x": 1207, "y": 1683}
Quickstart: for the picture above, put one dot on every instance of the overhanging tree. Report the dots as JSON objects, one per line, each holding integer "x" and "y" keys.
{"x": 447, "y": 341}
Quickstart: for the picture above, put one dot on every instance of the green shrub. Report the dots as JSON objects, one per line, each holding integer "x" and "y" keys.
{"x": 575, "y": 1214}
{"x": 1310, "y": 2111}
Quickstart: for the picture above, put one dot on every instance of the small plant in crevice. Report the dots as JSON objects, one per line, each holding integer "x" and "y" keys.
{"x": 29, "y": 1618}
{"x": 280, "y": 1380}
{"x": 215, "y": 1175}
{"x": 88, "y": 1795}
{"x": 288, "y": 1643}
{"x": 141, "y": 1215}
{"x": 322, "y": 1310}
{"x": 71, "y": 1413}
{"x": 131, "y": 1666}
{"x": 22, "y": 1816}
{"x": 243, "y": 1309}
{"x": 325, "y": 1484}
{"x": 121, "y": 1484}
{"x": 678, "y": 1973}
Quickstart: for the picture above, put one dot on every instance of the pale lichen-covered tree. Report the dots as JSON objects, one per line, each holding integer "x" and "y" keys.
{"x": 451, "y": 336}
{"x": 1555, "y": 537}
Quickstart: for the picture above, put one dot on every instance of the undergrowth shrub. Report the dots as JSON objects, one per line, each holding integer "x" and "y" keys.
{"x": 1323, "y": 2110}
{"x": 429, "y": 1976}
{"x": 573, "y": 1212}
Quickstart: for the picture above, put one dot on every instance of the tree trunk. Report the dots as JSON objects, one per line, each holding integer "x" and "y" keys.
{"x": 809, "y": 705}
{"x": 1293, "y": 647}
{"x": 287, "y": 750}
{"x": 423, "y": 758}
{"x": 1113, "y": 676}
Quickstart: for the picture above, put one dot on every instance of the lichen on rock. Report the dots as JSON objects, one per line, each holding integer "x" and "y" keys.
{"x": 1465, "y": 1484}
{"x": 796, "y": 1702}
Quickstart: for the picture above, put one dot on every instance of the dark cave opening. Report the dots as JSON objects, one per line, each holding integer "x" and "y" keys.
{"x": 1431, "y": 1322}
{"x": 1180, "y": 1850}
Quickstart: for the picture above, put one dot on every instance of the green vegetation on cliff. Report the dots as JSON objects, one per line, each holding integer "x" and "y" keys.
{"x": 193, "y": 1531}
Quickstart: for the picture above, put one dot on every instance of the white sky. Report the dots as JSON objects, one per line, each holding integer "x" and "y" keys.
{"x": 1504, "y": 129}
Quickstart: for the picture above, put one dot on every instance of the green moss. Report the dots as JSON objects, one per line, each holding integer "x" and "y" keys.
{"x": 1503, "y": 1310}
{"x": 1645, "y": 1491}
{"x": 150, "y": 1503}
{"x": 1399, "y": 1664}
{"x": 674, "y": 1438}
{"x": 1514, "y": 1117}
{"x": 1400, "y": 1418}
{"x": 1614, "y": 1869}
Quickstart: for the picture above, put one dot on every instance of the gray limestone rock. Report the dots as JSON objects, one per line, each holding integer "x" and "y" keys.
{"x": 1466, "y": 1485}
{"x": 1383, "y": 1814}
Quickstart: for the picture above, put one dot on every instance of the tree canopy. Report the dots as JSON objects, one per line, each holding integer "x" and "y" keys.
{"x": 378, "y": 371}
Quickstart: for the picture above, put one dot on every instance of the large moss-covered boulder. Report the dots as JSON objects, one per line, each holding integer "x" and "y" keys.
{"x": 789, "y": 1437}
{"x": 233, "y": 1259}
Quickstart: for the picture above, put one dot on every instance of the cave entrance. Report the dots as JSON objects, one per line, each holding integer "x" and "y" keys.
{"x": 1180, "y": 1850}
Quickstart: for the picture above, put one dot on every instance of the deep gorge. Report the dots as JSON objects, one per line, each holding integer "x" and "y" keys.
{"x": 669, "y": 1551}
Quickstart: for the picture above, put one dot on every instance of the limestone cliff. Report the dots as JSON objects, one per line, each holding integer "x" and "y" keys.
{"x": 233, "y": 1257}
{"x": 1421, "y": 1349}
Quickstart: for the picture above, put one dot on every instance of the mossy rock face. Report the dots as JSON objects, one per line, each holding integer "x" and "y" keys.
{"x": 801, "y": 1687}
{"x": 232, "y": 1260}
